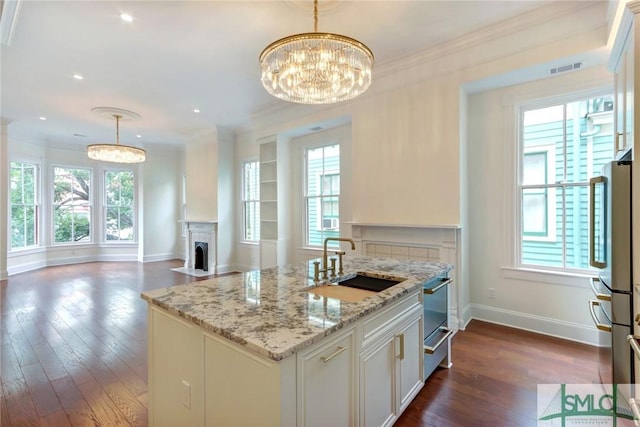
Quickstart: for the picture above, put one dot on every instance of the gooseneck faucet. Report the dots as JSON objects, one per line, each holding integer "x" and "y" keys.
{"x": 325, "y": 268}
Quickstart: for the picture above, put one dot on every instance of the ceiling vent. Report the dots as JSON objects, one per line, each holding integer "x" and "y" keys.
{"x": 565, "y": 68}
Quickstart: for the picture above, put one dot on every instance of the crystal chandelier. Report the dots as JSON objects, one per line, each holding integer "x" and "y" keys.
{"x": 116, "y": 153}
{"x": 316, "y": 68}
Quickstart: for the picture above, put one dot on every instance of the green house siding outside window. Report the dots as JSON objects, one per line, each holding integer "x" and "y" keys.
{"x": 322, "y": 194}
{"x": 562, "y": 146}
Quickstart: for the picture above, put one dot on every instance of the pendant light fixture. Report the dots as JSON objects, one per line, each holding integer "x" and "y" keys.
{"x": 115, "y": 153}
{"x": 316, "y": 68}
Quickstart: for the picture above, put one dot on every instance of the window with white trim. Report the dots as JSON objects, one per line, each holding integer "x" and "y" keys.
{"x": 251, "y": 201}
{"x": 562, "y": 145}
{"x": 24, "y": 201}
{"x": 119, "y": 197}
{"x": 71, "y": 205}
{"x": 322, "y": 194}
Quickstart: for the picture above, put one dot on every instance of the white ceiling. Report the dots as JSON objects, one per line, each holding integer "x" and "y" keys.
{"x": 179, "y": 55}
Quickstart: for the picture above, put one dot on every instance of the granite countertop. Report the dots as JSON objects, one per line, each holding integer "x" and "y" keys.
{"x": 272, "y": 312}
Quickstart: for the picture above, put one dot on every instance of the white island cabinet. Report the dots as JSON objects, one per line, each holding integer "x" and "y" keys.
{"x": 225, "y": 353}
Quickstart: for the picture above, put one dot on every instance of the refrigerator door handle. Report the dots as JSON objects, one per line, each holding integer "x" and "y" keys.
{"x": 592, "y": 309}
{"x": 592, "y": 222}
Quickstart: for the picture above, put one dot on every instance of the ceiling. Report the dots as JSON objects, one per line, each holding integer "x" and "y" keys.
{"x": 177, "y": 56}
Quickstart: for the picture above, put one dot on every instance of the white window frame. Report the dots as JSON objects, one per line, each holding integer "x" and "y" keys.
{"x": 92, "y": 224}
{"x": 520, "y": 109}
{"x": 105, "y": 207}
{"x": 37, "y": 205}
{"x": 246, "y": 201}
{"x": 306, "y": 197}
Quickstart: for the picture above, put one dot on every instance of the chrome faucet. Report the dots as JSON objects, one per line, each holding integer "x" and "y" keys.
{"x": 325, "y": 268}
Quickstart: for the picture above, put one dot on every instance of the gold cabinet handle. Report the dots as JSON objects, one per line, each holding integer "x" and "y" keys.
{"x": 339, "y": 350}
{"x": 401, "y": 339}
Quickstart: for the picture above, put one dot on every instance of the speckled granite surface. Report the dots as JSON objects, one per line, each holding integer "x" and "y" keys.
{"x": 272, "y": 313}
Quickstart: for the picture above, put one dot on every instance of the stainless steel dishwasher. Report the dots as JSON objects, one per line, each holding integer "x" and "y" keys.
{"x": 436, "y": 330}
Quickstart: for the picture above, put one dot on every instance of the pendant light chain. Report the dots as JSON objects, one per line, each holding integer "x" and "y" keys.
{"x": 315, "y": 16}
{"x": 117, "y": 128}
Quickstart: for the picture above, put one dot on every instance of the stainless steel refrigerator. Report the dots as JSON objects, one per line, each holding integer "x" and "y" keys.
{"x": 610, "y": 252}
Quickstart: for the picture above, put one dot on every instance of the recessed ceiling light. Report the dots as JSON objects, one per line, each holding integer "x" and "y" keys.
{"x": 78, "y": 77}
{"x": 138, "y": 136}
{"x": 196, "y": 110}
{"x": 43, "y": 118}
{"x": 126, "y": 17}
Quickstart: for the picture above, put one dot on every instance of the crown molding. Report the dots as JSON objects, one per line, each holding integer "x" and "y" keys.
{"x": 507, "y": 28}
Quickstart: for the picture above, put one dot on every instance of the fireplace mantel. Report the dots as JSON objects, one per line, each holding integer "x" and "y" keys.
{"x": 200, "y": 231}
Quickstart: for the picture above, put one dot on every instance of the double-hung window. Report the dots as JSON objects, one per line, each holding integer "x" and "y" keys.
{"x": 71, "y": 205}
{"x": 119, "y": 192}
{"x": 23, "y": 194}
{"x": 562, "y": 145}
{"x": 251, "y": 201}
{"x": 322, "y": 193}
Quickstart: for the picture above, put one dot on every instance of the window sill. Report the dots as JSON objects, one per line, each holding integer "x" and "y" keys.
{"x": 578, "y": 280}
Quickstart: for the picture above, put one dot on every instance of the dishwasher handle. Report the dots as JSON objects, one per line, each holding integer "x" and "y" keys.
{"x": 432, "y": 349}
{"x": 443, "y": 282}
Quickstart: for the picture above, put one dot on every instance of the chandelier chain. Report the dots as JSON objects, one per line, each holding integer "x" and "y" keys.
{"x": 117, "y": 128}
{"x": 315, "y": 16}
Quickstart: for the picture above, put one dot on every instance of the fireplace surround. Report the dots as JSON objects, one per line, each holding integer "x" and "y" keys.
{"x": 201, "y": 248}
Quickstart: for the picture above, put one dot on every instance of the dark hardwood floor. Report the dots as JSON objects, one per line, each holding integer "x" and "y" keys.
{"x": 73, "y": 353}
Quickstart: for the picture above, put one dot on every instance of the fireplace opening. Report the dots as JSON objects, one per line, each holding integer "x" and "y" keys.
{"x": 202, "y": 256}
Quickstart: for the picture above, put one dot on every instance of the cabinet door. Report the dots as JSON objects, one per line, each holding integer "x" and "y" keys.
{"x": 410, "y": 362}
{"x": 174, "y": 377}
{"x": 630, "y": 77}
{"x": 619, "y": 87}
{"x": 327, "y": 377}
{"x": 377, "y": 383}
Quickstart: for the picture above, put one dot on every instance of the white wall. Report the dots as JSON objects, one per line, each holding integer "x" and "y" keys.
{"x": 202, "y": 177}
{"x": 551, "y": 303}
{"x": 160, "y": 187}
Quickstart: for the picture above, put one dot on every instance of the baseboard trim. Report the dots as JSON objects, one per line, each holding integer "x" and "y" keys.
{"x": 161, "y": 257}
{"x": 542, "y": 325}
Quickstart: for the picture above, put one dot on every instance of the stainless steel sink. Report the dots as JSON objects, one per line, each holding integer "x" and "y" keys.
{"x": 368, "y": 283}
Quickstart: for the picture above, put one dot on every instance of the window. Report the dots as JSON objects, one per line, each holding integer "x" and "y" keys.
{"x": 24, "y": 205}
{"x": 322, "y": 194}
{"x": 118, "y": 202}
{"x": 71, "y": 205}
{"x": 251, "y": 201}
{"x": 562, "y": 146}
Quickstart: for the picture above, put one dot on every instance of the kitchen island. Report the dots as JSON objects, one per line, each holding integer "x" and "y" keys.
{"x": 269, "y": 347}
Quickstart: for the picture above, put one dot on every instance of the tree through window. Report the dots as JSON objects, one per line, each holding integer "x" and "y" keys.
{"x": 71, "y": 205}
